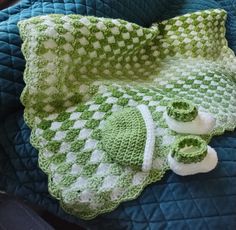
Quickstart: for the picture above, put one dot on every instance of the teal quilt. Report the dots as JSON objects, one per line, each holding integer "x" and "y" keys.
{"x": 195, "y": 202}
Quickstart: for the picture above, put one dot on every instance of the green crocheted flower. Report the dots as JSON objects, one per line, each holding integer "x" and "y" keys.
{"x": 189, "y": 149}
{"x": 182, "y": 110}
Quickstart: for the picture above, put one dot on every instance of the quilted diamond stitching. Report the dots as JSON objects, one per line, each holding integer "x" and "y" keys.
{"x": 228, "y": 143}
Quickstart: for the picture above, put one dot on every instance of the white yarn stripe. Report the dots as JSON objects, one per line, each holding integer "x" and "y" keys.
{"x": 150, "y": 140}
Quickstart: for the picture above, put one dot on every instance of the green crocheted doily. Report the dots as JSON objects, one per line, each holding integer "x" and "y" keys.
{"x": 81, "y": 70}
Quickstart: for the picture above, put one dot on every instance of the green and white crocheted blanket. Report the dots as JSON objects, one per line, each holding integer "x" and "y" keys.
{"x": 85, "y": 78}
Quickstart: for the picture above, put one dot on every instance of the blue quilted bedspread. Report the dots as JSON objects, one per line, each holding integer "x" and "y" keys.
{"x": 206, "y": 201}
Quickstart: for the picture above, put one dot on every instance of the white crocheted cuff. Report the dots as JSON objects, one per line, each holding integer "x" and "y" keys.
{"x": 150, "y": 139}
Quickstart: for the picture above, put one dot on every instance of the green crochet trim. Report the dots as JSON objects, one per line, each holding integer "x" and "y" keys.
{"x": 182, "y": 111}
{"x": 82, "y": 70}
{"x": 189, "y": 149}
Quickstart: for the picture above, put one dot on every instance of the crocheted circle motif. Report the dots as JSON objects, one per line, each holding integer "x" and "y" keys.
{"x": 182, "y": 110}
{"x": 189, "y": 149}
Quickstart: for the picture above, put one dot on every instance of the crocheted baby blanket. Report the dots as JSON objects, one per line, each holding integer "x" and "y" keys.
{"x": 85, "y": 72}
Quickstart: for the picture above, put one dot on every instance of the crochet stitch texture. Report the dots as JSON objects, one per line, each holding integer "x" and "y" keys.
{"x": 124, "y": 137}
{"x": 196, "y": 153}
{"x": 181, "y": 111}
{"x": 81, "y": 70}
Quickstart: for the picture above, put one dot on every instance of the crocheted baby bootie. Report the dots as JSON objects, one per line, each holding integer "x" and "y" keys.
{"x": 128, "y": 137}
{"x": 184, "y": 117}
{"x": 191, "y": 155}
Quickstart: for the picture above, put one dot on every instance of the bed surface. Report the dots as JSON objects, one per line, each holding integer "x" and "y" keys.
{"x": 205, "y": 201}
